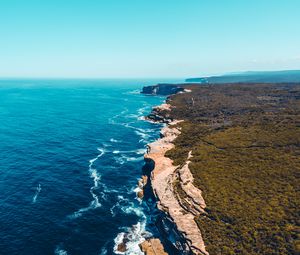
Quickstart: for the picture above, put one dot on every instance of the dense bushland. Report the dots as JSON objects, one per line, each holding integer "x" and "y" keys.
{"x": 246, "y": 159}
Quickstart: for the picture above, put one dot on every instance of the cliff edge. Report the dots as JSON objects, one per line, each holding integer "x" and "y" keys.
{"x": 166, "y": 179}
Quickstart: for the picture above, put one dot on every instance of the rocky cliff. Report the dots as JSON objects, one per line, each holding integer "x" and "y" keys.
{"x": 166, "y": 179}
{"x": 163, "y": 89}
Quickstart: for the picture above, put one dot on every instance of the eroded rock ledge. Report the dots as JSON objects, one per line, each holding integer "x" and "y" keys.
{"x": 153, "y": 246}
{"x": 181, "y": 209}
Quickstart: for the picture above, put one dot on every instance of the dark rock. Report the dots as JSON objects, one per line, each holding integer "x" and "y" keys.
{"x": 122, "y": 247}
{"x": 163, "y": 89}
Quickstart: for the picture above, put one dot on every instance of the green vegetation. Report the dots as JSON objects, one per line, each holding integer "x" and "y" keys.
{"x": 246, "y": 159}
{"x": 253, "y": 77}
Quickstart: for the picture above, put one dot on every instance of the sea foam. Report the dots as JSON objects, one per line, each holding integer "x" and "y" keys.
{"x": 132, "y": 237}
{"x": 38, "y": 190}
{"x": 95, "y": 203}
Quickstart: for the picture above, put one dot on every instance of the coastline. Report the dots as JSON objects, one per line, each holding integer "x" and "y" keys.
{"x": 244, "y": 139}
{"x": 163, "y": 178}
{"x": 229, "y": 135}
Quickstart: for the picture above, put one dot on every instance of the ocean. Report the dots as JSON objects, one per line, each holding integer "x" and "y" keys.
{"x": 71, "y": 157}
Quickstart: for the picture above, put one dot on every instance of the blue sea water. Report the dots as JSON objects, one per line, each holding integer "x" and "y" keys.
{"x": 71, "y": 155}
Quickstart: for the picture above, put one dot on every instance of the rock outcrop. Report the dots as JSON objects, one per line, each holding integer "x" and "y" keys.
{"x": 160, "y": 114}
{"x": 193, "y": 200}
{"x": 163, "y": 89}
{"x": 141, "y": 184}
{"x": 153, "y": 246}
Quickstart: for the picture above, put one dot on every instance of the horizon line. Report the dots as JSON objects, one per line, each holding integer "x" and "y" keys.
{"x": 139, "y": 77}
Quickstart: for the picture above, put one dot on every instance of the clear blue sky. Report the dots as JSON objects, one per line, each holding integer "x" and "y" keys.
{"x": 147, "y": 38}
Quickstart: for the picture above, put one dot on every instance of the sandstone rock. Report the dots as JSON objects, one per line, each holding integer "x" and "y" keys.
{"x": 193, "y": 195}
{"x": 121, "y": 247}
{"x": 153, "y": 246}
{"x": 143, "y": 181}
{"x": 141, "y": 184}
{"x": 140, "y": 194}
{"x": 162, "y": 179}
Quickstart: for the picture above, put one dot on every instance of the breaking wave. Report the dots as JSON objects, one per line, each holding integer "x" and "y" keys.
{"x": 38, "y": 190}
{"x": 131, "y": 238}
{"x": 96, "y": 179}
{"x": 60, "y": 251}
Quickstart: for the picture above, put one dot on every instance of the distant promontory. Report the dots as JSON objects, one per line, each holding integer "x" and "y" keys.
{"x": 251, "y": 77}
{"x": 163, "y": 89}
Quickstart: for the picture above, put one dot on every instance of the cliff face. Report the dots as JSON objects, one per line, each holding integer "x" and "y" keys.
{"x": 164, "y": 178}
{"x": 163, "y": 89}
{"x": 160, "y": 114}
{"x": 168, "y": 180}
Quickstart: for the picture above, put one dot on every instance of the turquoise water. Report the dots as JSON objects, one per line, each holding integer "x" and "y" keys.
{"x": 71, "y": 156}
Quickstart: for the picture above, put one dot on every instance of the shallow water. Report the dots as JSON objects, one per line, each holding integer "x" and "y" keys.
{"x": 71, "y": 156}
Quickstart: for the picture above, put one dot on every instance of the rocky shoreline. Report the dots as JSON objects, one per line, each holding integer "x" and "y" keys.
{"x": 181, "y": 210}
